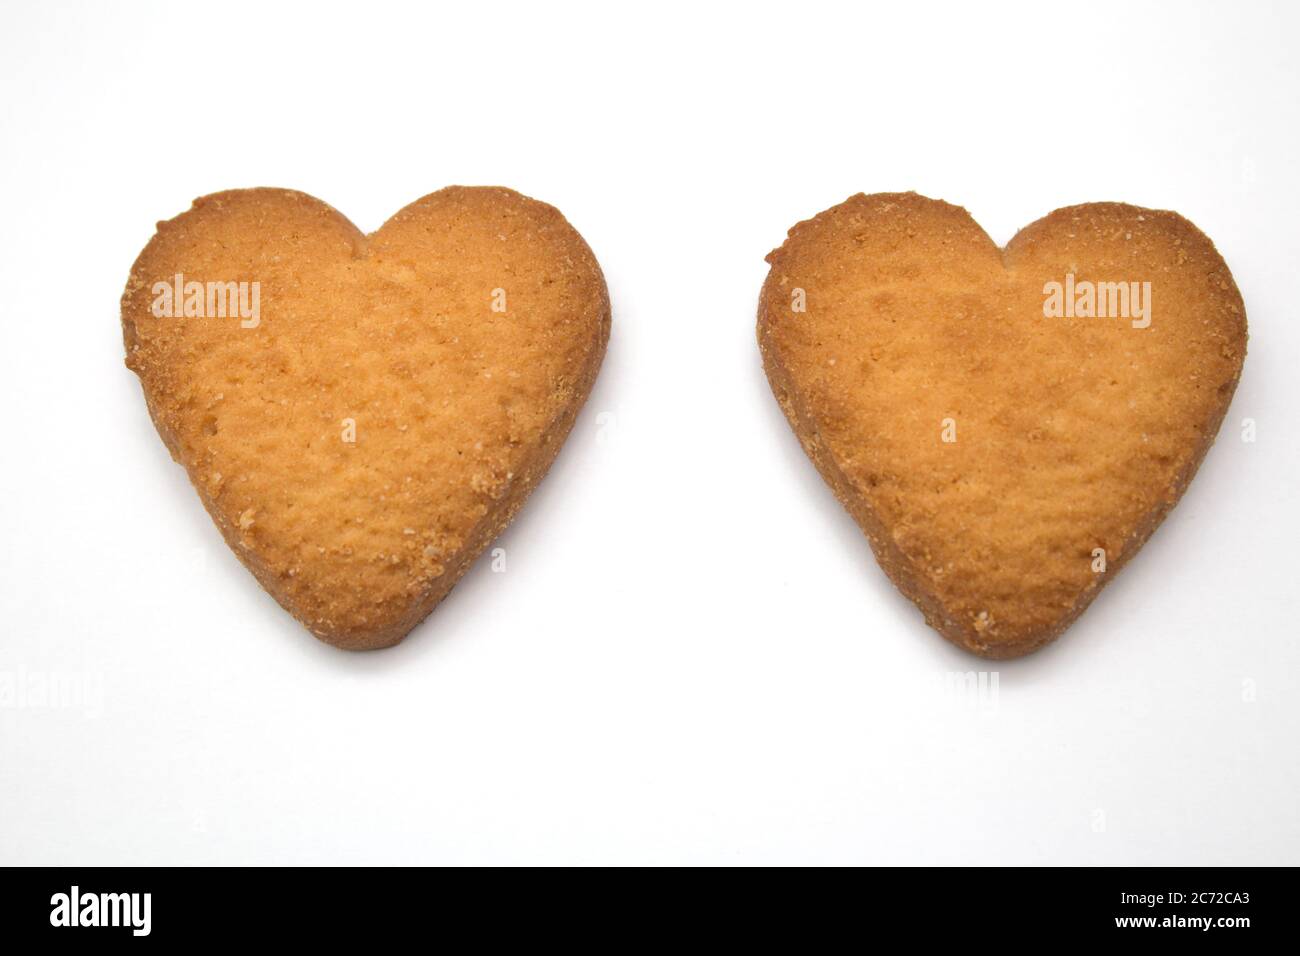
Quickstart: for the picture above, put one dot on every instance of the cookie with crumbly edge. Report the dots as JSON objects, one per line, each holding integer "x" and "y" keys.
{"x": 369, "y": 421}
{"x": 1003, "y": 464}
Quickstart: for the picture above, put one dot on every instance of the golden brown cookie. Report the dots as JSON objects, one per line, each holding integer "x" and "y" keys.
{"x": 1008, "y": 426}
{"x": 362, "y": 415}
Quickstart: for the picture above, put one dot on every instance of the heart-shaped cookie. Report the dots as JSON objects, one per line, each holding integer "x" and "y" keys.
{"x": 362, "y": 415}
{"x": 1008, "y": 426}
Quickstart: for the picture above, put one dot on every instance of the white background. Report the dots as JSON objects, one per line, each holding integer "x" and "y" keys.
{"x": 692, "y": 655}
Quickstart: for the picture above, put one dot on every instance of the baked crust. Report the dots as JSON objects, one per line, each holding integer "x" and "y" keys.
{"x": 1072, "y": 434}
{"x": 457, "y": 409}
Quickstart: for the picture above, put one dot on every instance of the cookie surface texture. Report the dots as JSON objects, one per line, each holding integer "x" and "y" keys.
{"x": 1007, "y": 426}
{"x": 362, "y": 414}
